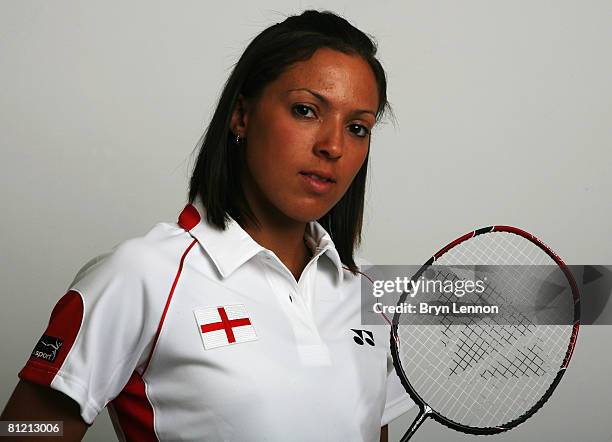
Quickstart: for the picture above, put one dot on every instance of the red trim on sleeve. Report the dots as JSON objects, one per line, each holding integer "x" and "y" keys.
{"x": 64, "y": 325}
{"x": 189, "y": 217}
{"x": 134, "y": 411}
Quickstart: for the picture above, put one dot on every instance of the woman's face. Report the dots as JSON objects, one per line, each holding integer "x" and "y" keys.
{"x": 307, "y": 135}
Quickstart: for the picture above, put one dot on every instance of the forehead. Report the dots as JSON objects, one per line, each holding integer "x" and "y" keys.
{"x": 347, "y": 79}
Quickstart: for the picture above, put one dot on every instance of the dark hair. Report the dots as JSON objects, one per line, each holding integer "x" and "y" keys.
{"x": 216, "y": 175}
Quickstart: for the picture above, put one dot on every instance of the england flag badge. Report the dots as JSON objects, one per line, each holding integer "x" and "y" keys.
{"x": 224, "y": 325}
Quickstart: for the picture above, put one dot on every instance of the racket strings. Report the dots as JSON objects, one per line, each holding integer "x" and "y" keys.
{"x": 472, "y": 347}
{"x": 483, "y": 372}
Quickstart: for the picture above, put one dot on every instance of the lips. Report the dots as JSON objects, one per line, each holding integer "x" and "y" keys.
{"x": 324, "y": 177}
{"x": 317, "y": 182}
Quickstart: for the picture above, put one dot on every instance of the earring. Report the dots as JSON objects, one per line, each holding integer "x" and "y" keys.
{"x": 237, "y": 140}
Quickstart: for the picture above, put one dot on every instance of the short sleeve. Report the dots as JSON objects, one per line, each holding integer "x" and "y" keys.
{"x": 398, "y": 401}
{"x": 99, "y": 332}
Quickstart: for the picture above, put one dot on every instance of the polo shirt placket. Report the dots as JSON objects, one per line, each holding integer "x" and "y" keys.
{"x": 296, "y": 300}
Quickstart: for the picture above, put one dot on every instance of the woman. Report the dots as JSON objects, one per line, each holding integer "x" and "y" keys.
{"x": 242, "y": 320}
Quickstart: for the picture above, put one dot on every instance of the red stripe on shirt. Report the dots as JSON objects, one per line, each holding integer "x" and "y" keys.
{"x": 65, "y": 323}
{"x": 168, "y": 300}
{"x": 134, "y": 411}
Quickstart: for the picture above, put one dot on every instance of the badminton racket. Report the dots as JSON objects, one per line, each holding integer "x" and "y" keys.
{"x": 485, "y": 375}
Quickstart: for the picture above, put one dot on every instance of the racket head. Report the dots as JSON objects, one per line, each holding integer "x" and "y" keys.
{"x": 395, "y": 340}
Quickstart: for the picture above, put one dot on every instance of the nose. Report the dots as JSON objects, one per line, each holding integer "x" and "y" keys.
{"x": 330, "y": 142}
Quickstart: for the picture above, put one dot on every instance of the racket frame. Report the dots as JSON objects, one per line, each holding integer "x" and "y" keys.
{"x": 425, "y": 410}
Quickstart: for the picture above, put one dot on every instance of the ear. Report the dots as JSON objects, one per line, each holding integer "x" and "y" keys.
{"x": 240, "y": 117}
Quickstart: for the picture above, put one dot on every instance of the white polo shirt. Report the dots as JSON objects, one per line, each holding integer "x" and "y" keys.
{"x": 194, "y": 333}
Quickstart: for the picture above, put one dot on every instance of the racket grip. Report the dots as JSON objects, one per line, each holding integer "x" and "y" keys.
{"x": 423, "y": 414}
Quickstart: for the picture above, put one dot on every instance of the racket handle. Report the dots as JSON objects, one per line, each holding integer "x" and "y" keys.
{"x": 423, "y": 414}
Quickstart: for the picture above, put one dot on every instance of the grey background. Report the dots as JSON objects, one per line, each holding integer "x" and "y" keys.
{"x": 503, "y": 117}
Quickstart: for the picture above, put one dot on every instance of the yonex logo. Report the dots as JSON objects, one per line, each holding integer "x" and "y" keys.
{"x": 363, "y": 335}
{"x": 47, "y": 348}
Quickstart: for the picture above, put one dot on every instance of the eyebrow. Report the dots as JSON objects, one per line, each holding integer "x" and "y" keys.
{"x": 326, "y": 101}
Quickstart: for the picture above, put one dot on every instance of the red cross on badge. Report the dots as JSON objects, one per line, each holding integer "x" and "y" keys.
{"x": 224, "y": 325}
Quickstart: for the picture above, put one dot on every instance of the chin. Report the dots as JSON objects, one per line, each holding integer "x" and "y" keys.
{"x": 305, "y": 213}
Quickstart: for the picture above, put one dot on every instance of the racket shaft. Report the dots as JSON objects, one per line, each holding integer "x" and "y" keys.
{"x": 423, "y": 414}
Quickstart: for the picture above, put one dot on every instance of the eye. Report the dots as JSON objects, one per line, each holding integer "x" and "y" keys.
{"x": 301, "y": 110}
{"x": 359, "y": 130}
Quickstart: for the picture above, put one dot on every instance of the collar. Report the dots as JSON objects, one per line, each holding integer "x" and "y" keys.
{"x": 230, "y": 248}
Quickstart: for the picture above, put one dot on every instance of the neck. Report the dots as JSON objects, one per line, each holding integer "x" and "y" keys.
{"x": 275, "y": 230}
{"x": 286, "y": 240}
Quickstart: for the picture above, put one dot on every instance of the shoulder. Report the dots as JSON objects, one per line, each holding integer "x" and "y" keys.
{"x": 150, "y": 256}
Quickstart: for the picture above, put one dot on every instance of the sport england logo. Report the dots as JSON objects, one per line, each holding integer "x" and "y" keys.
{"x": 47, "y": 348}
{"x": 363, "y": 335}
